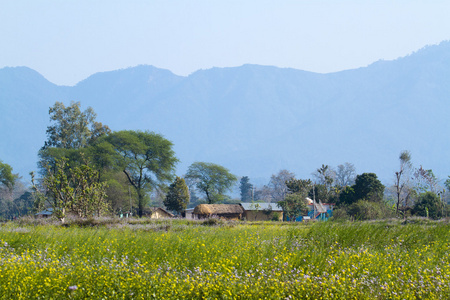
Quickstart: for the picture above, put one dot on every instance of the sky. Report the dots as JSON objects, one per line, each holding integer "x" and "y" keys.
{"x": 67, "y": 41}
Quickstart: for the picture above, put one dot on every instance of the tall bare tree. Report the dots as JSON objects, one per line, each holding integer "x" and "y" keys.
{"x": 402, "y": 180}
{"x": 277, "y": 184}
{"x": 345, "y": 175}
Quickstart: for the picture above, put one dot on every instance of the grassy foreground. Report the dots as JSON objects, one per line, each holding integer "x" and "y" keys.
{"x": 176, "y": 259}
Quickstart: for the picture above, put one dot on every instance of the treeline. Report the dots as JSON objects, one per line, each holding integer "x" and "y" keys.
{"x": 415, "y": 192}
{"x": 85, "y": 169}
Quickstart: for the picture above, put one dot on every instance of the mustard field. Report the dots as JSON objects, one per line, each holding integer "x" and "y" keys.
{"x": 176, "y": 259}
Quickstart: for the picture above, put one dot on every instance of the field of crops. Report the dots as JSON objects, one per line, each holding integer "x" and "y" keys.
{"x": 176, "y": 259}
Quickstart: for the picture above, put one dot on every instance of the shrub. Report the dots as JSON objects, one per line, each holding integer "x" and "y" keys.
{"x": 340, "y": 214}
{"x": 367, "y": 210}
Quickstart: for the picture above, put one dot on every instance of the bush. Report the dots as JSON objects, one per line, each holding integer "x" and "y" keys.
{"x": 428, "y": 202}
{"x": 275, "y": 216}
{"x": 367, "y": 210}
{"x": 340, "y": 214}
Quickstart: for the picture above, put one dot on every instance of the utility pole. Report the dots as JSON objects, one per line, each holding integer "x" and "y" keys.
{"x": 314, "y": 202}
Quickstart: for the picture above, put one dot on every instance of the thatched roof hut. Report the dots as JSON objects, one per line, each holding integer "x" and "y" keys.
{"x": 228, "y": 211}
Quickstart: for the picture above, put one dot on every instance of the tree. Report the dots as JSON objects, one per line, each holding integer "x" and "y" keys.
{"x": 345, "y": 175}
{"x": 211, "y": 179}
{"x": 428, "y": 204}
{"x": 347, "y": 197}
{"x": 146, "y": 158}
{"x": 298, "y": 185}
{"x": 73, "y": 128}
{"x": 294, "y": 203}
{"x": 69, "y": 136}
{"x": 246, "y": 189}
{"x": 263, "y": 194}
{"x": 178, "y": 196}
{"x": 367, "y": 210}
{"x": 403, "y": 190}
{"x": 368, "y": 187}
{"x": 319, "y": 192}
{"x": 278, "y": 186}
{"x": 425, "y": 180}
{"x": 325, "y": 175}
{"x": 75, "y": 190}
{"x": 7, "y": 178}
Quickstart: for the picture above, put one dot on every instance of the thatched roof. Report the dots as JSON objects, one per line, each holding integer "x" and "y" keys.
{"x": 218, "y": 209}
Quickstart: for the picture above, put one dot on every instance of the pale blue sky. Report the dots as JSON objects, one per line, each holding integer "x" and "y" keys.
{"x": 66, "y": 41}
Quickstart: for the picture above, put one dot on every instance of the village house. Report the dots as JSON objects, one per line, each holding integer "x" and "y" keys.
{"x": 225, "y": 211}
{"x": 157, "y": 213}
{"x": 262, "y": 211}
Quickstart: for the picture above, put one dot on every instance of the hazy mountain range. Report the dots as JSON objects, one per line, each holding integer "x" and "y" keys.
{"x": 254, "y": 120}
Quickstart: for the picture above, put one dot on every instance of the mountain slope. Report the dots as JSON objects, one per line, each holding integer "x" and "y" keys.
{"x": 256, "y": 120}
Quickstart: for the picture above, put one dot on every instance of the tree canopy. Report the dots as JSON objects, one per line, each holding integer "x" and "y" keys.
{"x": 368, "y": 187}
{"x": 211, "y": 179}
{"x": 294, "y": 203}
{"x": 428, "y": 205}
{"x": 246, "y": 189}
{"x": 277, "y": 184}
{"x": 177, "y": 197}
{"x": 73, "y": 128}
{"x": 146, "y": 158}
{"x": 7, "y": 178}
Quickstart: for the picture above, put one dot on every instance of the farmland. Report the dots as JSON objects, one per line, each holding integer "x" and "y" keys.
{"x": 178, "y": 259}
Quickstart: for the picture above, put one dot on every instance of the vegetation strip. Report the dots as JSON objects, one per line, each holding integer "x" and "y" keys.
{"x": 176, "y": 259}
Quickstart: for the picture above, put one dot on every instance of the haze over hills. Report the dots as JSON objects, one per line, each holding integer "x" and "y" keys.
{"x": 254, "y": 120}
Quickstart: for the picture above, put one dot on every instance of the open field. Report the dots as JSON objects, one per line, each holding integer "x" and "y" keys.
{"x": 176, "y": 259}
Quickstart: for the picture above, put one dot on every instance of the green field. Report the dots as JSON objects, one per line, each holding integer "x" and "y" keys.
{"x": 176, "y": 259}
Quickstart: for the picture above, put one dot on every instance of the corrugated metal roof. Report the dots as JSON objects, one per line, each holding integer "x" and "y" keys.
{"x": 45, "y": 212}
{"x": 261, "y": 206}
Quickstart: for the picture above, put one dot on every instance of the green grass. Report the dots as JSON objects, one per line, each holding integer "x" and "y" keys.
{"x": 178, "y": 259}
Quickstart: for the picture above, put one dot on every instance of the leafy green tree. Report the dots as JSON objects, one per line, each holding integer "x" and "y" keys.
{"x": 7, "y": 178}
{"x": 69, "y": 136}
{"x": 73, "y": 128}
{"x": 325, "y": 176}
{"x": 368, "y": 187}
{"x": 430, "y": 202}
{"x": 246, "y": 189}
{"x": 294, "y": 203}
{"x": 298, "y": 185}
{"x": 38, "y": 194}
{"x": 76, "y": 190}
{"x": 146, "y": 158}
{"x": 346, "y": 197}
{"x": 321, "y": 192}
{"x": 177, "y": 198}
{"x": 447, "y": 183}
{"x": 211, "y": 179}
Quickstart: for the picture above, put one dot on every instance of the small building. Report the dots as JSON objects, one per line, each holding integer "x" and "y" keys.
{"x": 262, "y": 211}
{"x": 226, "y": 211}
{"x": 157, "y": 213}
{"x": 46, "y": 213}
{"x": 187, "y": 213}
{"x": 316, "y": 211}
